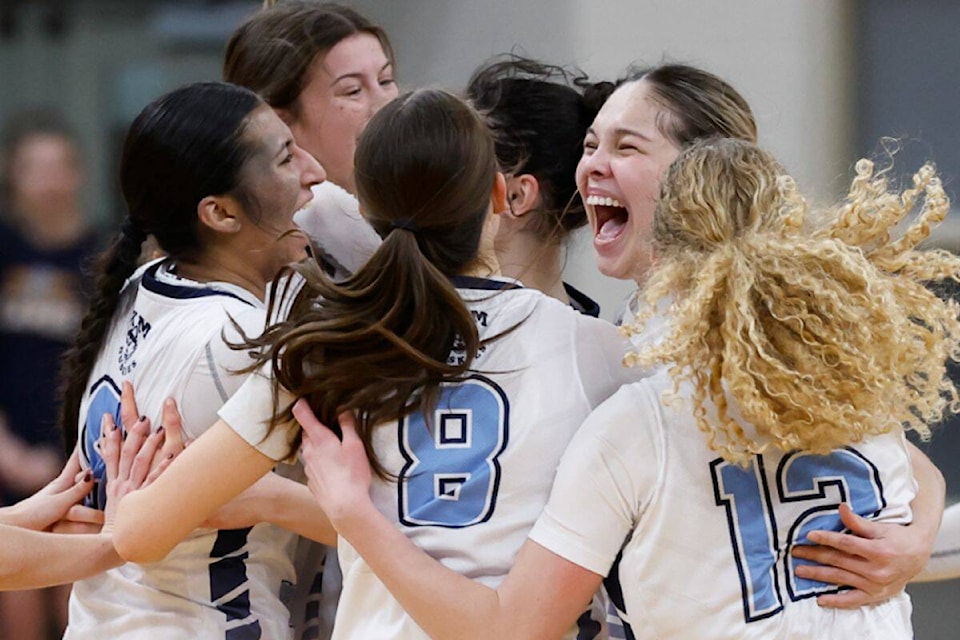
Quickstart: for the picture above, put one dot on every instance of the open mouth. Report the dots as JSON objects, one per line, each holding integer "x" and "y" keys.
{"x": 611, "y": 218}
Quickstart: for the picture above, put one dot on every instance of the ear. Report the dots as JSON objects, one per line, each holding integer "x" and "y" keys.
{"x": 498, "y": 197}
{"x": 220, "y": 214}
{"x": 523, "y": 194}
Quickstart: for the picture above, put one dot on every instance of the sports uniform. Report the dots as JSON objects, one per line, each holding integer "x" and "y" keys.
{"x": 169, "y": 338}
{"x": 699, "y": 548}
{"x": 472, "y": 484}
{"x": 332, "y": 219}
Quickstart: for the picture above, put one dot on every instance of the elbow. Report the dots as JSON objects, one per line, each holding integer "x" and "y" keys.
{"x": 135, "y": 540}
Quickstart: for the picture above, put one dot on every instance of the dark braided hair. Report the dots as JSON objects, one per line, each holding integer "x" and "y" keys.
{"x": 182, "y": 147}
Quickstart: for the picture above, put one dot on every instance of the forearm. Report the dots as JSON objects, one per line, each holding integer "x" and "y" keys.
{"x": 944, "y": 563}
{"x": 928, "y": 505}
{"x": 32, "y": 559}
{"x": 290, "y": 505}
{"x": 214, "y": 469}
{"x": 445, "y": 604}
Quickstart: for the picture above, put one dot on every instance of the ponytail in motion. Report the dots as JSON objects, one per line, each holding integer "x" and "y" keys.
{"x": 380, "y": 343}
{"x": 816, "y": 325}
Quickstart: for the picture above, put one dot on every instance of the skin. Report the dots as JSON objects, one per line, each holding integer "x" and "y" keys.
{"x": 344, "y": 88}
{"x": 280, "y": 174}
{"x": 150, "y": 523}
{"x": 46, "y": 178}
{"x": 625, "y": 155}
{"x": 32, "y": 557}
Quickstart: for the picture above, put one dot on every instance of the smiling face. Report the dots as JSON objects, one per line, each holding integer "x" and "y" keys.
{"x": 277, "y": 177}
{"x": 625, "y": 156}
{"x": 344, "y": 88}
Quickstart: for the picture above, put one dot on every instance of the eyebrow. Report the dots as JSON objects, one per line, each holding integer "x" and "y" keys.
{"x": 284, "y": 147}
{"x": 622, "y": 131}
{"x": 358, "y": 74}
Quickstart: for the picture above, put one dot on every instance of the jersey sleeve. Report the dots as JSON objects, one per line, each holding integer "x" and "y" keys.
{"x": 333, "y": 221}
{"x": 248, "y": 413}
{"x": 607, "y": 475}
{"x": 599, "y": 348}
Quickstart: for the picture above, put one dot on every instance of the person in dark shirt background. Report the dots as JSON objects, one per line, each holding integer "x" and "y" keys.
{"x": 45, "y": 239}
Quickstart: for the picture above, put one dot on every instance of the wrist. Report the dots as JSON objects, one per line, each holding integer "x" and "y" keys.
{"x": 356, "y": 516}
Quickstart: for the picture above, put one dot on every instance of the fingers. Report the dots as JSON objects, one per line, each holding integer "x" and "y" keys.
{"x": 852, "y": 599}
{"x": 860, "y": 526}
{"x": 158, "y": 468}
{"x": 133, "y": 441}
{"x": 143, "y": 461}
{"x": 72, "y": 467}
{"x": 79, "y": 489}
{"x": 844, "y": 542}
{"x": 313, "y": 428}
{"x": 84, "y": 515}
{"x": 348, "y": 426}
{"x": 110, "y": 442}
{"x": 175, "y": 440}
{"x": 129, "y": 413}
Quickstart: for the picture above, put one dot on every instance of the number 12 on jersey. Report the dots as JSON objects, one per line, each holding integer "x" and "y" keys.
{"x": 753, "y": 511}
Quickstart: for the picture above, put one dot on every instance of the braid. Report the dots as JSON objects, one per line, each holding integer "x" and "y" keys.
{"x": 114, "y": 266}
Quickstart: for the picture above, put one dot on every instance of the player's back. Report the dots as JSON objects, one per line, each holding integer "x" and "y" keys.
{"x": 709, "y": 555}
{"x": 167, "y": 340}
{"x": 472, "y": 480}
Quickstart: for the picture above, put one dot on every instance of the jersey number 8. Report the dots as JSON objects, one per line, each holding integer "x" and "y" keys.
{"x": 452, "y": 473}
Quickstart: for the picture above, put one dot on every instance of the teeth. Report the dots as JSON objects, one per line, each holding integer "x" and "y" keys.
{"x": 602, "y": 201}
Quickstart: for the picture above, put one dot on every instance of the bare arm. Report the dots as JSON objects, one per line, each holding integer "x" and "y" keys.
{"x": 212, "y": 470}
{"x": 944, "y": 563}
{"x": 878, "y": 559}
{"x": 541, "y": 597}
{"x": 272, "y": 499}
{"x": 35, "y": 559}
{"x": 280, "y": 501}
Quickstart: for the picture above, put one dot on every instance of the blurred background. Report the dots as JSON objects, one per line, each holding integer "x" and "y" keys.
{"x": 826, "y": 78}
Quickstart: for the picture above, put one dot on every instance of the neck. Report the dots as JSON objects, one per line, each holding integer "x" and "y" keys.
{"x": 223, "y": 266}
{"x": 535, "y": 264}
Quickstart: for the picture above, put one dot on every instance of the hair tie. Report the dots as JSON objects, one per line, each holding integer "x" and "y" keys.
{"x": 406, "y": 224}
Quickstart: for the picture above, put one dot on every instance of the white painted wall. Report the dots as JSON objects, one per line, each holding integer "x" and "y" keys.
{"x": 791, "y": 59}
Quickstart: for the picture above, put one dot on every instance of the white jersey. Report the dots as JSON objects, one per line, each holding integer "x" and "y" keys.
{"x": 332, "y": 219}
{"x": 346, "y": 241}
{"x": 168, "y": 339}
{"x": 701, "y": 546}
{"x": 472, "y": 485}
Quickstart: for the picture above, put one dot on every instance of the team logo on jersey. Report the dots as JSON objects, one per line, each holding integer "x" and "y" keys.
{"x": 138, "y": 329}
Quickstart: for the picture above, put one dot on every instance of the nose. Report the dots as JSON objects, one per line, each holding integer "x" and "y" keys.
{"x": 595, "y": 163}
{"x": 311, "y": 172}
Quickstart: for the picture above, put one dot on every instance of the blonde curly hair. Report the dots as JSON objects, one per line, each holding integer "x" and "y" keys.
{"x": 816, "y": 325}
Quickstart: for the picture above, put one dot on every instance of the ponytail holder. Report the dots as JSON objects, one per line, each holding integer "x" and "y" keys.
{"x": 406, "y": 224}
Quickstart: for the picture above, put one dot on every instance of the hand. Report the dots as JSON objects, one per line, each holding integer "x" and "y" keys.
{"x": 170, "y": 423}
{"x": 54, "y": 501}
{"x": 338, "y": 472}
{"x": 132, "y": 462}
{"x": 876, "y": 559}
